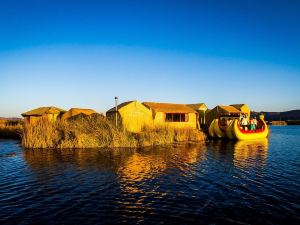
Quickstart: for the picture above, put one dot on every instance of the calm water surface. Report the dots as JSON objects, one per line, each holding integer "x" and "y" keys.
{"x": 221, "y": 183}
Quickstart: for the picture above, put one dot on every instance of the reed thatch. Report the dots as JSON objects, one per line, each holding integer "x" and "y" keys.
{"x": 243, "y": 108}
{"x": 169, "y": 107}
{"x": 198, "y": 106}
{"x": 41, "y": 111}
{"x": 75, "y": 111}
{"x": 221, "y": 110}
{"x": 120, "y": 106}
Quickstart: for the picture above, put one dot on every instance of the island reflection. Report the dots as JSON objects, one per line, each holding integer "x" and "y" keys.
{"x": 130, "y": 164}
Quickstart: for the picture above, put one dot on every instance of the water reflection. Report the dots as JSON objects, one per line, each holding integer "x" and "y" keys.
{"x": 134, "y": 164}
{"x": 148, "y": 164}
{"x": 220, "y": 183}
{"x": 250, "y": 153}
{"x": 98, "y": 159}
{"x": 241, "y": 154}
{"x": 222, "y": 150}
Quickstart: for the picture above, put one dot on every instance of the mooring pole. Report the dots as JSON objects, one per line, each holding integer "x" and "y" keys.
{"x": 116, "y": 109}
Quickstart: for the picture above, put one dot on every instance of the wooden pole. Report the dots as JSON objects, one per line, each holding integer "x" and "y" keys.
{"x": 116, "y": 108}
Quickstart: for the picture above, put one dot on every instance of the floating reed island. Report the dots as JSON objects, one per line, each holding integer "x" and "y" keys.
{"x": 136, "y": 124}
{"x": 51, "y": 127}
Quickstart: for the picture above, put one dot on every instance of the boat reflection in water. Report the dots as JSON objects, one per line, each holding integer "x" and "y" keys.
{"x": 240, "y": 154}
{"x": 250, "y": 153}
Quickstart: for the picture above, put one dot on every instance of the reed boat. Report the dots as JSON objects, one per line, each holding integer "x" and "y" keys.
{"x": 233, "y": 130}
{"x": 262, "y": 131}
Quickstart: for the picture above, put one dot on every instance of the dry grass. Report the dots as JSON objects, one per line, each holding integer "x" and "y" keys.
{"x": 167, "y": 135}
{"x": 10, "y": 129}
{"x": 43, "y": 134}
{"x": 96, "y": 131}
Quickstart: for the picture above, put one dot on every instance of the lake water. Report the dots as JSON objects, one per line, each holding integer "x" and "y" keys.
{"x": 220, "y": 183}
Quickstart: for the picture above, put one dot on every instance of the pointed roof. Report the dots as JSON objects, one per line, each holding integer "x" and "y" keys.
{"x": 120, "y": 106}
{"x": 227, "y": 109}
{"x": 169, "y": 107}
{"x": 75, "y": 111}
{"x": 42, "y": 111}
{"x": 198, "y": 106}
{"x": 238, "y": 106}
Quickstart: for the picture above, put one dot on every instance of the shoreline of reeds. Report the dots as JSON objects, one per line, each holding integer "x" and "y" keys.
{"x": 96, "y": 131}
{"x": 11, "y": 129}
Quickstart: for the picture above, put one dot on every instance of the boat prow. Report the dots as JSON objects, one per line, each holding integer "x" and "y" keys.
{"x": 229, "y": 130}
{"x": 242, "y": 135}
{"x": 217, "y": 130}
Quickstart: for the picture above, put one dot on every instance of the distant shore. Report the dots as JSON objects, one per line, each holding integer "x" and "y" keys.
{"x": 284, "y": 122}
{"x": 11, "y": 128}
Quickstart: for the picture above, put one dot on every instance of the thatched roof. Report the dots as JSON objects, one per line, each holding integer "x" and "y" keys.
{"x": 42, "y": 111}
{"x": 238, "y": 106}
{"x": 76, "y": 111}
{"x": 227, "y": 109}
{"x": 169, "y": 107}
{"x": 221, "y": 110}
{"x": 198, "y": 106}
{"x": 119, "y": 106}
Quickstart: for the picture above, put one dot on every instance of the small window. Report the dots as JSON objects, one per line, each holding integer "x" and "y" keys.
{"x": 169, "y": 117}
{"x": 176, "y": 117}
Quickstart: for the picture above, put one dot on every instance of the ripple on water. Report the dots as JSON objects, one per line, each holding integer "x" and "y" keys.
{"x": 222, "y": 182}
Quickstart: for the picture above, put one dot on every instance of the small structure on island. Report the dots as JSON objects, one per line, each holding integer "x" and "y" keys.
{"x": 201, "y": 109}
{"x": 174, "y": 115}
{"x": 132, "y": 116}
{"x": 76, "y": 111}
{"x": 243, "y": 108}
{"x": 50, "y": 113}
{"x": 221, "y": 110}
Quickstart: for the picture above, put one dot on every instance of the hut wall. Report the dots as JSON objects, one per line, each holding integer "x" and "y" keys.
{"x": 51, "y": 117}
{"x": 34, "y": 119}
{"x": 210, "y": 116}
{"x": 201, "y": 116}
{"x": 132, "y": 117}
{"x": 160, "y": 120}
{"x": 135, "y": 116}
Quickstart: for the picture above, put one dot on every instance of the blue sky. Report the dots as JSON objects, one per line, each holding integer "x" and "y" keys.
{"x": 83, "y": 53}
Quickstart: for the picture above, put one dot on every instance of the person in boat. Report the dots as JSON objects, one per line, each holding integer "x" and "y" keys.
{"x": 241, "y": 117}
{"x": 255, "y": 122}
{"x": 223, "y": 122}
{"x": 244, "y": 123}
{"x": 252, "y": 124}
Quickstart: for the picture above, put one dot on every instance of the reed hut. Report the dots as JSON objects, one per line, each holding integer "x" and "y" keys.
{"x": 243, "y": 108}
{"x": 50, "y": 113}
{"x": 221, "y": 110}
{"x": 131, "y": 116}
{"x": 76, "y": 111}
{"x": 174, "y": 115}
{"x": 201, "y": 109}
